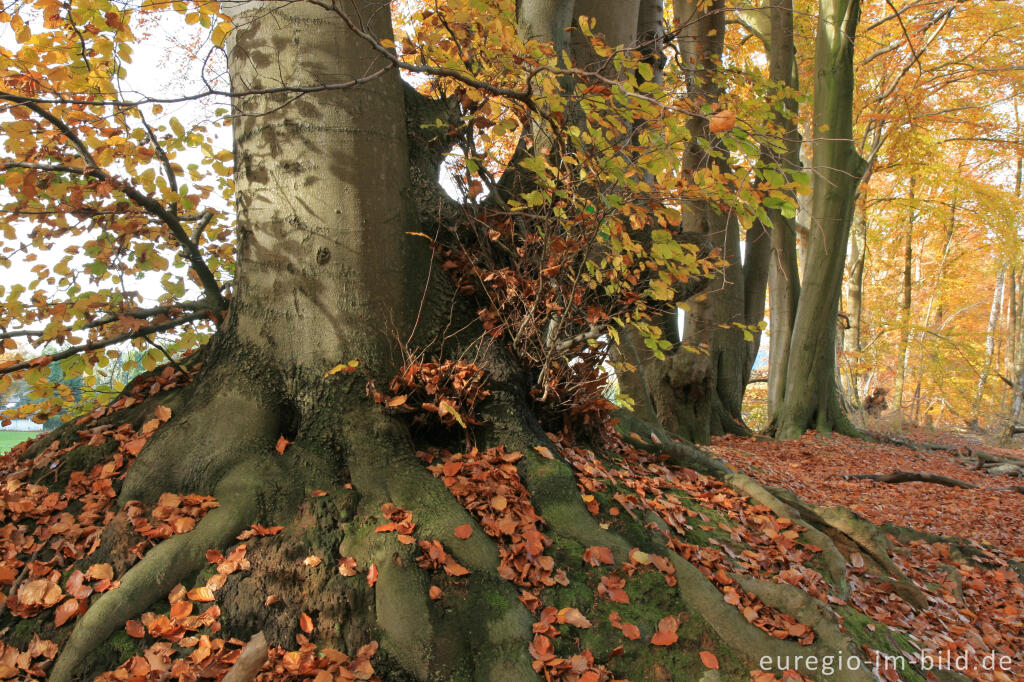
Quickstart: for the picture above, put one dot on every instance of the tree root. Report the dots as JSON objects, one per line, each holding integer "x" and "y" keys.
{"x": 551, "y": 482}
{"x": 164, "y": 566}
{"x": 424, "y": 639}
{"x": 899, "y": 476}
{"x": 703, "y": 597}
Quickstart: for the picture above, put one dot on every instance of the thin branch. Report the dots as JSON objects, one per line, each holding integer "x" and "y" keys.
{"x": 103, "y": 343}
{"x": 150, "y": 205}
{"x": 141, "y": 313}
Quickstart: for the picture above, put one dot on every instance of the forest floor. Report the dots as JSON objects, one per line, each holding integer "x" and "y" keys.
{"x": 967, "y": 584}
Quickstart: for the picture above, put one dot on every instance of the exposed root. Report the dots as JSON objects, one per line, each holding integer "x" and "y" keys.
{"x": 909, "y": 476}
{"x": 551, "y": 482}
{"x": 424, "y": 639}
{"x": 162, "y": 568}
{"x": 839, "y": 521}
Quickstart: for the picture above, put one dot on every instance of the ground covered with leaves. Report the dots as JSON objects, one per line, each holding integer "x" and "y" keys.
{"x": 594, "y": 615}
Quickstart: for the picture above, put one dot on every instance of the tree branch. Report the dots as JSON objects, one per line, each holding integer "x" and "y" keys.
{"x": 150, "y": 205}
{"x": 140, "y": 313}
{"x": 103, "y": 343}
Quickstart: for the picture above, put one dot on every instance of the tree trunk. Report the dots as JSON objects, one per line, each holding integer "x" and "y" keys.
{"x": 810, "y": 399}
{"x": 990, "y": 344}
{"x": 784, "y": 275}
{"x": 906, "y": 298}
{"x": 855, "y": 302}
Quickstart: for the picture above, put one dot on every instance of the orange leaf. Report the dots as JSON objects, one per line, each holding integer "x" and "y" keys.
{"x": 306, "y": 623}
{"x": 709, "y": 660}
{"x": 722, "y": 121}
{"x": 499, "y": 503}
{"x": 398, "y": 400}
{"x": 663, "y": 638}
{"x": 134, "y": 629}
{"x": 181, "y": 610}
{"x": 464, "y": 531}
{"x": 162, "y": 413}
{"x": 371, "y": 575}
{"x": 435, "y": 592}
{"x": 100, "y": 572}
{"x": 201, "y": 594}
{"x": 65, "y": 612}
{"x": 312, "y": 561}
{"x": 282, "y": 443}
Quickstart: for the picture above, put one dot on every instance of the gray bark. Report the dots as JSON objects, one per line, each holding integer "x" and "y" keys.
{"x": 811, "y": 400}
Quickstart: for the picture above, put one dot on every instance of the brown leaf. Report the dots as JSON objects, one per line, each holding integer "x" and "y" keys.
{"x": 282, "y": 443}
{"x": 306, "y": 623}
{"x": 435, "y": 592}
{"x": 200, "y": 594}
{"x": 464, "y": 531}
{"x": 371, "y": 575}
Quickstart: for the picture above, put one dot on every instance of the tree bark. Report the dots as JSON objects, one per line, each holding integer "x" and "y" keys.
{"x": 990, "y": 343}
{"x": 855, "y": 302}
{"x": 906, "y": 298}
{"x": 810, "y": 399}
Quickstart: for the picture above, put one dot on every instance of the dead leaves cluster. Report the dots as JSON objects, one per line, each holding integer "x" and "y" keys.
{"x": 449, "y": 391}
{"x": 760, "y": 544}
{"x": 487, "y": 484}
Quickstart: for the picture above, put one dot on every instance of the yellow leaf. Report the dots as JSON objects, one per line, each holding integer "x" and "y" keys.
{"x": 220, "y": 32}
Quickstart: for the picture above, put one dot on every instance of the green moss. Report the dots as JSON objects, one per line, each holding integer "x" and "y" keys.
{"x": 882, "y": 638}
{"x": 117, "y": 649}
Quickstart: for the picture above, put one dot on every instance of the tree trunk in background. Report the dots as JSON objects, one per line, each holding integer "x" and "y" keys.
{"x": 811, "y": 399}
{"x": 855, "y": 302}
{"x": 1017, "y": 332}
{"x": 906, "y": 299}
{"x": 707, "y": 386}
{"x": 784, "y": 275}
{"x": 990, "y": 344}
{"x": 700, "y": 394}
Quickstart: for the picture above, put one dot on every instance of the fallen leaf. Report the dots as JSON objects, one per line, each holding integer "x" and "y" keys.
{"x": 435, "y": 592}
{"x": 306, "y": 623}
{"x": 464, "y": 531}
{"x": 65, "y": 612}
{"x": 709, "y": 660}
{"x": 282, "y": 443}
{"x": 134, "y": 629}
{"x": 371, "y": 575}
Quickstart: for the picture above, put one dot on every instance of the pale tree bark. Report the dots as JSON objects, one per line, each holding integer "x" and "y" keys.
{"x": 852, "y": 340}
{"x": 990, "y": 343}
{"x": 811, "y": 399}
{"x": 906, "y": 300}
{"x": 784, "y": 276}
{"x": 1013, "y": 416}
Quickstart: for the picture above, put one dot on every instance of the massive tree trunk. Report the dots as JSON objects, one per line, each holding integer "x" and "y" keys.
{"x": 784, "y": 276}
{"x": 811, "y": 399}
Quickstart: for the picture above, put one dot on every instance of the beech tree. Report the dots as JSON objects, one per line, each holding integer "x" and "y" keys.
{"x": 400, "y": 411}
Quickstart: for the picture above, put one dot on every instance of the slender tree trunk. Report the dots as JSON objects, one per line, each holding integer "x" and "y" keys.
{"x": 855, "y": 301}
{"x": 906, "y": 299}
{"x": 810, "y": 399}
{"x": 990, "y": 344}
{"x": 784, "y": 276}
